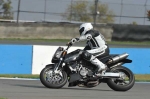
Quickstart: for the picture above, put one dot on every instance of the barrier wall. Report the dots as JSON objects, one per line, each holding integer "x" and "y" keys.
{"x": 130, "y": 32}
{"x": 47, "y": 30}
{"x": 42, "y": 56}
{"x": 140, "y": 59}
{"x": 15, "y": 59}
{"x": 28, "y": 59}
{"x": 65, "y": 30}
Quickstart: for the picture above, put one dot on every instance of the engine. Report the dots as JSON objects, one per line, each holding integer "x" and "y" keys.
{"x": 84, "y": 72}
{"x": 81, "y": 69}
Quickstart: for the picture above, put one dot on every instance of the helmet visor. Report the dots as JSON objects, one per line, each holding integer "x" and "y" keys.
{"x": 81, "y": 30}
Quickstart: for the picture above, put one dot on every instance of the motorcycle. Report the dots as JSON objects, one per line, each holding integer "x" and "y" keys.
{"x": 73, "y": 68}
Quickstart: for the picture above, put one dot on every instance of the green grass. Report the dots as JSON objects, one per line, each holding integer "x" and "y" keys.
{"x": 145, "y": 78}
{"x": 66, "y": 40}
{"x": 19, "y": 76}
{"x": 39, "y": 39}
{"x": 2, "y": 98}
{"x": 130, "y": 42}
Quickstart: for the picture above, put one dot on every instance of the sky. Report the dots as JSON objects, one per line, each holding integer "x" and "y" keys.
{"x": 136, "y": 8}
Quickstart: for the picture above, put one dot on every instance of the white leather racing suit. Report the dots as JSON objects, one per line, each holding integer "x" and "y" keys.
{"x": 96, "y": 47}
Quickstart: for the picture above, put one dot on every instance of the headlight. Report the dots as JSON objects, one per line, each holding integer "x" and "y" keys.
{"x": 57, "y": 55}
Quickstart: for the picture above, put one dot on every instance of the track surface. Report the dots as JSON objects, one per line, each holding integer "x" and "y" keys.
{"x": 33, "y": 89}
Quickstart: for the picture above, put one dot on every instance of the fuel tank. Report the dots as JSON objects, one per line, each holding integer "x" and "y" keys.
{"x": 73, "y": 56}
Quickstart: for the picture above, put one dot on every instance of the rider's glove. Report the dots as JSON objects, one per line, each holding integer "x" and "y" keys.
{"x": 74, "y": 40}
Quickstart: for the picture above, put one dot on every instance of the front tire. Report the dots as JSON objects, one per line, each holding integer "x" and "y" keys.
{"x": 121, "y": 84}
{"x": 50, "y": 80}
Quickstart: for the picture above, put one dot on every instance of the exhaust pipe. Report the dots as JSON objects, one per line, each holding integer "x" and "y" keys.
{"x": 118, "y": 58}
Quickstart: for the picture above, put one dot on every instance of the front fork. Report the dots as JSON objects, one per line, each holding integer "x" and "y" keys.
{"x": 57, "y": 65}
{"x": 60, "y": 61}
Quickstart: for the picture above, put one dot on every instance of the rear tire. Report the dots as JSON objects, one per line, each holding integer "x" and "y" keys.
{"x": 118, "y": 85}
{"x": 47, "y": 82}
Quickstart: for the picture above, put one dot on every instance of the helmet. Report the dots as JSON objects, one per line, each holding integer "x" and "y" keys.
{"x": 85, "y": 27}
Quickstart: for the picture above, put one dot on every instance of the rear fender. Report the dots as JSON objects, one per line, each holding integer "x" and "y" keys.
{"x": 120, "y": 63}
{"x": 126, "y": 61}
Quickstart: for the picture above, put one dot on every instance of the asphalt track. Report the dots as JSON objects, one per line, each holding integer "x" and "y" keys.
{"x": 33, "y": 89}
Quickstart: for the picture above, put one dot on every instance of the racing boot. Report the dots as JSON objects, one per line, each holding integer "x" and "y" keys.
{"x": 101, "y": 68}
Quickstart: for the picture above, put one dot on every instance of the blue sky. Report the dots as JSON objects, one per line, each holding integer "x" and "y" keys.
{"x": 129, "y": 8}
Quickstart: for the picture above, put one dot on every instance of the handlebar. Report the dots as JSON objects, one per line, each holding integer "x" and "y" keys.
{"x": 69, "y": 44}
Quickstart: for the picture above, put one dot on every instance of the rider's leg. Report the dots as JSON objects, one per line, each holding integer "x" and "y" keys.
{"x": 99, "y": 52}
{"x": 98, "y": 63}
{"x": 100, "y": 66}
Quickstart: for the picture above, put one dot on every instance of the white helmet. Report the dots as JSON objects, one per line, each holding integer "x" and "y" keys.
{"x": 85, "y": 27}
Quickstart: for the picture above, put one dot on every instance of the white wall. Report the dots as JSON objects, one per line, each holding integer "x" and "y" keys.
{"x": 42, "y": 56}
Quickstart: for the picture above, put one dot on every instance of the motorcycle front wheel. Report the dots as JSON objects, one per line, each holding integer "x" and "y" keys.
{"x": 125, "y": 82}
{"x": 53, "y": 80}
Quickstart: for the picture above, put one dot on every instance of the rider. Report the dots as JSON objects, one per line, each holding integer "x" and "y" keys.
{"x": 96, "y": 46}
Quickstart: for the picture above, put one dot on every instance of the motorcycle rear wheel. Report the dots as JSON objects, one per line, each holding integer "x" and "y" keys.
{"x": 121, "y": 84}
{"x": 52, "y": 81}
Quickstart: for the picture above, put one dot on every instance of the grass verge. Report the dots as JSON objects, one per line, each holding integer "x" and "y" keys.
{"x": 19, "y": 76}
{"x": 130, "y": 42}
{"x": 66, "y": 40}
{"x": 144, "y": 78}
